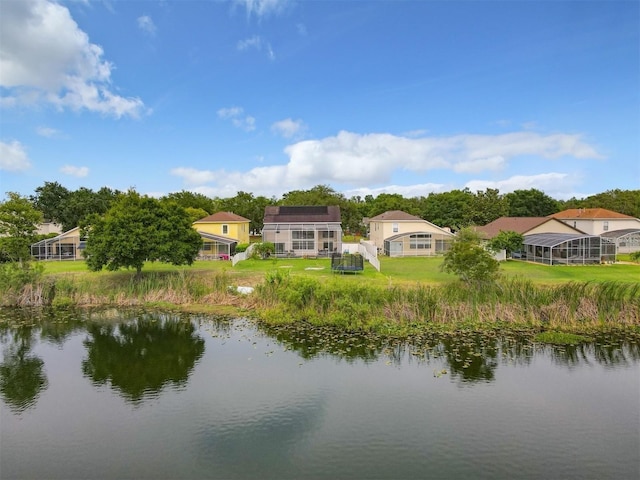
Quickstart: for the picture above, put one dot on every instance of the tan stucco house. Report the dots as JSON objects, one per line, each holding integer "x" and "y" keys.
{"x": 398, "y": 234}
{"x": 596, "y": 221}
{"x": 66, "y": 246}
{"x": 524, "y": 226}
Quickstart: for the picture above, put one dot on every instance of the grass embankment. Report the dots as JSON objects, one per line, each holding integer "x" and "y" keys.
{"x": 410, "y": 295}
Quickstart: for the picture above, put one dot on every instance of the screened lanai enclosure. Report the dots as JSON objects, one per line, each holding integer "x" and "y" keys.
{"x": 568, "y": 249}
{"x": 216, "y": 247}
{"x": 417, "y": 244}
{"x": 66, "y": 246}
{"x": 304, "y": 239}
{"x": 627, "y": 240}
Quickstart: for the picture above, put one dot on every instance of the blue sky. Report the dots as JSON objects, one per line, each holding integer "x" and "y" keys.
{"x": 269, "y": 96}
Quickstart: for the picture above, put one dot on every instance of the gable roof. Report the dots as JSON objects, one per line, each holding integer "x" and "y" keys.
{"x": 587, "y": 214}
{"x": 302, "y": 214}
{"x": 395, "y": 216}
{"x": 222, "y": 217}
{"x": 514, "y": 224}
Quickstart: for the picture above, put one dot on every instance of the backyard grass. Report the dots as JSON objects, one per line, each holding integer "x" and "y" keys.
{"x": 394, "y": 271}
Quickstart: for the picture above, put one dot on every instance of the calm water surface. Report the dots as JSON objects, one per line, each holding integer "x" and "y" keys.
{"x": 119, "y": 395}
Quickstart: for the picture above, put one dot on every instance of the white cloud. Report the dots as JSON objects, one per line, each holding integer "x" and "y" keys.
{"x": 75, "y": 171}
{"x": 251, "y": 42}
{"x": 145, "y": 23}
{"x": 192, "y": 176}
{"x": 407, "y": 191}
{"x": 554, "y": 184}
{"x": 263, "y": 8}
{"x": 256, "y": 42}
{"x": 47, "y": 132}
{"x": 13, "y": 157}
{"x": 289, "y": 128}
{"x": 238, "y": 118}
{"x": 359, "y": 161}
{"x": 46, "y": 58}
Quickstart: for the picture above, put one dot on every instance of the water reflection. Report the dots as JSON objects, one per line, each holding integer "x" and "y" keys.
{"x": 138, "y": 359}
{"x": 469, "y": 357}
{"x": 22, "y": 376}
{"x": 609, "y": 350}
{"x": 274, "y": 431}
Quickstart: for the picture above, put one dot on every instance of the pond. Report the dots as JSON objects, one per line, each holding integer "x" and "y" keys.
{"x": 134, "y": 395}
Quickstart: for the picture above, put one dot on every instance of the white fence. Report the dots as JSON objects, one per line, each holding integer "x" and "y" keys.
{"x": 366, "y": 249}
{"x": 238, "y": 257}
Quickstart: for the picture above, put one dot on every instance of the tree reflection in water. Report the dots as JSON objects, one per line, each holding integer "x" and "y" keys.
{"x": 138, "y": 359}
{"x": 22, "y": 376}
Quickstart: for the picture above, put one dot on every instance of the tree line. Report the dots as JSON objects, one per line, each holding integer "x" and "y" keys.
{"x": 455, "y": 209}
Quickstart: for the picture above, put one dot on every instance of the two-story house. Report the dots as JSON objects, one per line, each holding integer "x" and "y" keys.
{"x": 299, "y": 231}
{"x": 399, "y": 234}
{"x": 220, "y": 233}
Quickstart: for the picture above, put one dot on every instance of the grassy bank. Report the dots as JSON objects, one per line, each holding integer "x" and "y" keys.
{"x": 410, "y": 295}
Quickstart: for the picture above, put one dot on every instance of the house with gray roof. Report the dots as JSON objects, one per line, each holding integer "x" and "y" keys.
{"x": 303, "y": 231}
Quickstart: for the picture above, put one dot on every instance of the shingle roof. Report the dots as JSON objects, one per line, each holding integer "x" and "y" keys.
{"x": 587, "y": 213}
{"x": 512, "y": 224}
{"x": 395, "y": 215}
{"x": 222, "y": 217}
{"x": 302, "y": 214}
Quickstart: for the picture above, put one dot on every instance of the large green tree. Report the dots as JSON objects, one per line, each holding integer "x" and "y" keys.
{"x": 50, "y": 199}
{"x": 485, "y": 207}
{"x": 187, "y": 199}
{"x": 508, "y": 240}
{"x": 531, "y": 203}
{"x": 621, "y": 201}
{"x": 18, "y": 226}
{"x": 469, "y": 260}
{"x": 137, "y": 229}
{"x": 447, "y": 209}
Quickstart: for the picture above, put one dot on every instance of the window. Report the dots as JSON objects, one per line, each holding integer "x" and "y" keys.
{"x": 395, "y": 228}
{"x": 279, "y": 247}
{"x": 225, "y": 229}
{"x": 605, "y": 226}
{"x": 303, "y": 235}
{"x": 328, "y": 234}
{"x": 420, "y": 241}
{"x": 303, "y": 244}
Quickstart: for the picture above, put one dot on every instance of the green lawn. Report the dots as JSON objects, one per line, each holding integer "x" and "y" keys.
{"x": 394, "y": 270}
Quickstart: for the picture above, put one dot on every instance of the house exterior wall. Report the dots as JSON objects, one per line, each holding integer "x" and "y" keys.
{"x": 553, "y": 227}
{"x": 237, "y": 230}
{"x": 598, "y": 226}
{"x": 304, "y": 239}
{"x": 66, "y": 246}
{"x": 379, "y": 231}
{"x": 418, "y": 244}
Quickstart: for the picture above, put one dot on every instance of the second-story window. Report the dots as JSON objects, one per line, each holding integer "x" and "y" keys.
{"x": 225, "y": 229}
{"x": 605, "y": 226}
{"x": 395, "y": 228}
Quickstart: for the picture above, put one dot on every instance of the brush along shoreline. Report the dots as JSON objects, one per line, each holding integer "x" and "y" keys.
{"x": 279, "y": 298}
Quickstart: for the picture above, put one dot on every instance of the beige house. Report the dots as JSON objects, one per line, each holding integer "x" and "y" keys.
{"x": 399, "y": 234}
{"x": 66, "y": 246}
{"x": 596, "y": 221}
{"x": 524, "y": 226}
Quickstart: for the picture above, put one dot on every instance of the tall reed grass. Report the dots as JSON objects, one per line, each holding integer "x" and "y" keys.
{"x": 123, "y": 289}
{"x": 510, "y": 301}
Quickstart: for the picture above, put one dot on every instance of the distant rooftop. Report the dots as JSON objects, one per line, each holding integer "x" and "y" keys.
{"x": 588, "y": 213}
{"x": 302, "y": 214}
{"x": 395, "y": 215}
{"x": 222, "y": 217}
